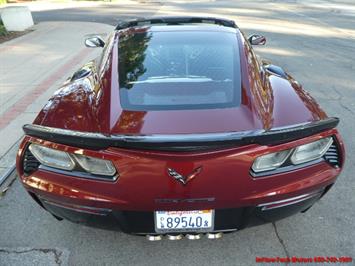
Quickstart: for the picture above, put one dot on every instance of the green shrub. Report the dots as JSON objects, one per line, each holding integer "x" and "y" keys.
{"x": 2, "y": 2}
{"x": 3, "y": 31}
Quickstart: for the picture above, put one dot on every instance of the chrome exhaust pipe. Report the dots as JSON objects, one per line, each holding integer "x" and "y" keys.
{"x": 154, "y": 237}
{"x": 174, "y": 237}
{"x": 214, "y": 235}
{"x": 193, "y": 236}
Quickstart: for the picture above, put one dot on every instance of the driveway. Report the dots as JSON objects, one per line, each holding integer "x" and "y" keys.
{"x": 313, "y": 40}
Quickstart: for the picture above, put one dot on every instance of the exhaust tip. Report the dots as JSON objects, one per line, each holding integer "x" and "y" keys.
{"x": 214, "y": 235}
{"x": 154, "y": 237}
{"x": 193, "y": 236}
{"x": 174, "y": 237}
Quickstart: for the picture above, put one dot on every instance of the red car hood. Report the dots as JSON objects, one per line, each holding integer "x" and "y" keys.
{"x": 257, "y": 111}
{"x": 93, "y": 106}
{"x": 263, "y": 109}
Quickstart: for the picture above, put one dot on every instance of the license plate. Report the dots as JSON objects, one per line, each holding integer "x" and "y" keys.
{"x": 178, "y": 221}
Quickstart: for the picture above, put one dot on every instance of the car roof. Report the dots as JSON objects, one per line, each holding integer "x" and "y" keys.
{"x": 180, "y": 24}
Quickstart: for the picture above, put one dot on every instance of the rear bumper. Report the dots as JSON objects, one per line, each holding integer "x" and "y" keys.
{"x": 142, "y": 222}
{"x": 144, "y": 186}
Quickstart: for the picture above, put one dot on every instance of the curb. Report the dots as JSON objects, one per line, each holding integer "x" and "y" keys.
{"x": 8, "y": 161}
{"x": 7, "y": 174}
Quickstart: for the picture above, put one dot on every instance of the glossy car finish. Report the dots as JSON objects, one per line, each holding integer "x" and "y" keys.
{"x": 225, "y": 182}
{"x": 267, "y": 101}
{"x": 144, "y": 173}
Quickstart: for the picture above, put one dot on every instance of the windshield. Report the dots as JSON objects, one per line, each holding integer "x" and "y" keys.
{"x": 178, "y": 70}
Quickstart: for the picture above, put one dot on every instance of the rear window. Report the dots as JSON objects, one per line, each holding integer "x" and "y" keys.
{"x": 178, "y": 70}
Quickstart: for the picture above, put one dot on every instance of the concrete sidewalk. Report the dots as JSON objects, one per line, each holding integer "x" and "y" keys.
{"x": 32, "y": 67}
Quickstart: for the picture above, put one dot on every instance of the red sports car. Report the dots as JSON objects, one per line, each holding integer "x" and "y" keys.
{"x": 179, "y": 130}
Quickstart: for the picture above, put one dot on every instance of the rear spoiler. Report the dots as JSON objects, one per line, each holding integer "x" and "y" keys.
{"x": 180, "y": 142}
{"x": 175, "y": 21}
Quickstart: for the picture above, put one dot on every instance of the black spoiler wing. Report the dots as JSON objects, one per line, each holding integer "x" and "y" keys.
{"x": 180, "y": 142}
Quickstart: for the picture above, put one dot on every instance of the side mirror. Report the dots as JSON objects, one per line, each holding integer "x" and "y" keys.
{"x": 94, "y": 41}
{"x": 276, "y": 70}
{"x": 256, "y": 39}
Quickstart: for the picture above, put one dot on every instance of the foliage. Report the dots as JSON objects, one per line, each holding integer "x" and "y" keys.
{"x": 132, "y": 48}
{"x": 3, "y": 31}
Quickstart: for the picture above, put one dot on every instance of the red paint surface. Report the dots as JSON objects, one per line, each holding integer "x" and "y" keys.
{"x": 144, "y": 178}
{"x": 267, "y": 101}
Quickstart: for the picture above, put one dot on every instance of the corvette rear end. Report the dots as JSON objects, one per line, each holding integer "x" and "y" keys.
{"x": 178, "y": 130}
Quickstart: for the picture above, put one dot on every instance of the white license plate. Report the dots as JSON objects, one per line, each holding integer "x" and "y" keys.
{"x": 178, "y": 221}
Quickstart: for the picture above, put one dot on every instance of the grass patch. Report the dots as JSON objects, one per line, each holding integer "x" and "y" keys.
{"x": 3, "y": 31}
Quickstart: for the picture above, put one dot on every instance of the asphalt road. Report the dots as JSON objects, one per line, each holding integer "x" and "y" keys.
{"x": 313, "y": 40}
{"x": 106, "y": 13}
